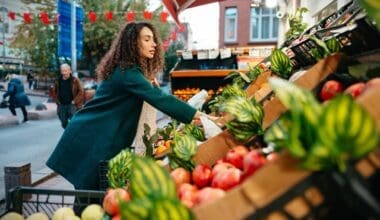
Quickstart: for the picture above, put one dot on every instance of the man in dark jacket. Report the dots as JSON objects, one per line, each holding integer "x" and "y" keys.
{"x": 68, "y": 94}
{"x": 17, "y": 97}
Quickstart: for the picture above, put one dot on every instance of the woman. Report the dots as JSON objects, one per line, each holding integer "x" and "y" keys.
{"x": 17, "y": 97}
{"x": 108, "y": 123}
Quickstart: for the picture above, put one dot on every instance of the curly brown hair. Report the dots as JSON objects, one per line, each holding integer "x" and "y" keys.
{"x": 124, "y": 52}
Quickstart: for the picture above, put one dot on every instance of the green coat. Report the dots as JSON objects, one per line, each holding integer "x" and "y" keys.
{"x": 108, "y": 123}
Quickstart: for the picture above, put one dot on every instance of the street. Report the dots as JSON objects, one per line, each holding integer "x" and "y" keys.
{"x": 30, "y": 142}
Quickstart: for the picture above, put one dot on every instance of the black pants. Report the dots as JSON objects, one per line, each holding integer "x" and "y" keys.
{"x": 23, "y": 109}
{"x": 65, "y": 112}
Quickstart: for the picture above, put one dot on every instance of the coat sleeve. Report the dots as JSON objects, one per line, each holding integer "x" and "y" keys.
{"x": 10, "y": 90}
{"x": 135, "y": 82}
{"x": 78, "y": 95}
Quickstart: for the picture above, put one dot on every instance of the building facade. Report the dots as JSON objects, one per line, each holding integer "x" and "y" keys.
{"x": 9, "y": 63}
{"x": 249, "y": 23}
{"x": 245, "y": 23}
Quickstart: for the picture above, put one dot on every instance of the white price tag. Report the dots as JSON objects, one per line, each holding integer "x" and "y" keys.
{"x": 213, "y": 54}
{"x": 225, "y": 53}
{"x": 202, "y": 54}
{"x": 254, "y": 52}
{"x": 187, "y": 55}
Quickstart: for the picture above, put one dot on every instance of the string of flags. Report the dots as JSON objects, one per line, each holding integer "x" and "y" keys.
{"x": 92, "y": 16}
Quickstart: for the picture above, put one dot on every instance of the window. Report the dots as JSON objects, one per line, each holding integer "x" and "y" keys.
{"x": 264, "y": 24}
{"x": 230, "y": 31}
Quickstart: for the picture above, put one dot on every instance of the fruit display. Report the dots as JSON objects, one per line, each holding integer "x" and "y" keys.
{"x": 205, "y": 184}
{"x": 186, "y": 93}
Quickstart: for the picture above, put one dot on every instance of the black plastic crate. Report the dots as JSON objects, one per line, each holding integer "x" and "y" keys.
{"x": 29, "y": 200}
{"x": 303, "y": 55}
{"x": 103, "y": 180}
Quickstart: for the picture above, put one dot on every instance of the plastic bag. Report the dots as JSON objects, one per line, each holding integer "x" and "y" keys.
{"x": 210, "y": 128}
{"x": 198, "y": 99}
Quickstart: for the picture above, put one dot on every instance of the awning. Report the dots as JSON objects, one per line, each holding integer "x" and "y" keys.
{"x": 175, "y": 7}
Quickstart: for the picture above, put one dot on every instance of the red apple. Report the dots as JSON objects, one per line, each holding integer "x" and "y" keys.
{"x": 180, "y": 175}
{"x": 221, "y": 167}
{"x": 236, "y": 155}
{"x": 330, "y": 89}
{"x": 253, "y": 161}
{"x": 202, "y": 175}
{"x": 227, "y": 179}
{"x": 208, "y": 194}
{"x": 355, "y": 89}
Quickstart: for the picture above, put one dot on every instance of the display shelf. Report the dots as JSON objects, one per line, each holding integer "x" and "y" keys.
{"x": 201, "y": 73}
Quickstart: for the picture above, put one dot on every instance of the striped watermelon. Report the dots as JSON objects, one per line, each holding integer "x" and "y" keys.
{"x": 281, "y": 64}
{"x": 148, "y": 179}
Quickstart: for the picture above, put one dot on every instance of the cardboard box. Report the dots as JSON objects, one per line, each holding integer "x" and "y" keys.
{"x": 277, "y": 177}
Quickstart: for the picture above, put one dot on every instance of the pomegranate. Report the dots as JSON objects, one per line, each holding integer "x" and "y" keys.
{"x": 236, "y": 155}
{"x": 330, "y": 89}
{"x": 227, "y": 179}
{"x": 202, "y": 175}
{"x": 253, "y": 161}
{"x": 112, "y": 199}
{"x": 355, "y": 89}
{"x": 208, "y": 194}
{"x": 180, "y": 175}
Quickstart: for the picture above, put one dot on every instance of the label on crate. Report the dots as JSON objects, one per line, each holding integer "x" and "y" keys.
{"x": 202, "y": 55}
{"x": 187, "y": 55}
{"x": 225, "y": 53}
{"x": 213, "y": 54}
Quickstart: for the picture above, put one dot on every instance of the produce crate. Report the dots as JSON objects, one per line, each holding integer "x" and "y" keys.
{"x": 103, "y": 169}
{"x": 357, "y": 36}
{"x": 281, "y": 189}
{"x": 29, "y": 200}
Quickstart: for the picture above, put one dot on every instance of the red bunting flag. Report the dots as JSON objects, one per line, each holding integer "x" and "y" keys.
{"x": 164, "y": 16}
{"x": 12, "y": 15}
{"x": 181, "y": 28}
{"x": 130, "y": 16}
{"x": 44, "y": 18}
{"x": 148, "y": 15}
{"x": 108, "y": 15}
{"x": 27, "y": 18}
{"x": 92, "y": 16}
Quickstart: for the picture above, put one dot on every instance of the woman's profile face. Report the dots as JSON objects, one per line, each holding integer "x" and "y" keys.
{"x": 147, "y": 46}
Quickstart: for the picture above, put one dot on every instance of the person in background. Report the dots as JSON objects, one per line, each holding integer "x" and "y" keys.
{"x": 17, "y": 96}
{"x": 108, "y": 122}
{"x": 30, "y": 79}
{"x": 68, "y": 94}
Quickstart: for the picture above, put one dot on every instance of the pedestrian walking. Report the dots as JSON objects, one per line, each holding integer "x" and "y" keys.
{"x": 68, "y": 94}
{"x": 17, "y": 96}
{"x": 107, "y": 124}
{"x": 30, "y": 79}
